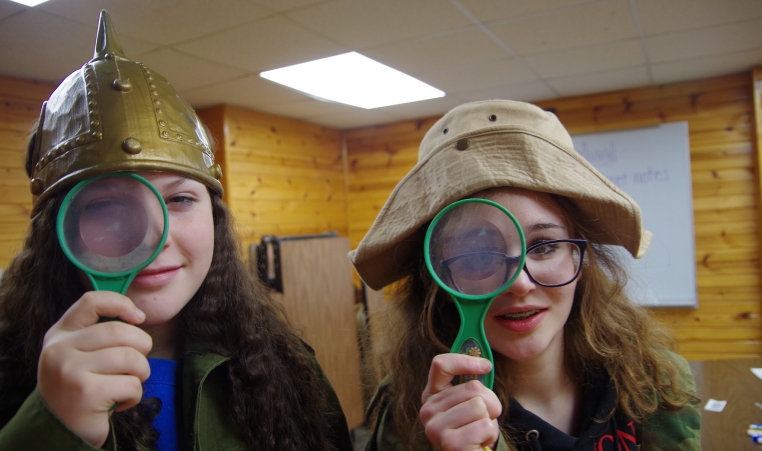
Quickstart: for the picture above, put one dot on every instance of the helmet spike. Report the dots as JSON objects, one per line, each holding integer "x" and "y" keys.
{"x": 106, "y": 42}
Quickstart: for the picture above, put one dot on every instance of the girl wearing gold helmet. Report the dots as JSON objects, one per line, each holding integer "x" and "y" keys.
{"x": 230, "y": 372}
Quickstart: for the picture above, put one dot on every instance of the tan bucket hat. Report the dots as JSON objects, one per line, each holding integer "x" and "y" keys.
{"x": 488, "y": 144}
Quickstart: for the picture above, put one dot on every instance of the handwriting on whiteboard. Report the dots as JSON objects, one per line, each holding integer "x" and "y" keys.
{"x": 604, "y": 155}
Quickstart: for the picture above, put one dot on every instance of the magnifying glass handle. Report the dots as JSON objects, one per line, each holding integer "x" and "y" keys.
{"x": 471, "y": 339}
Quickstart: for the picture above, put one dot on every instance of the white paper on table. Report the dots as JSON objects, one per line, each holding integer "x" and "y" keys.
{"x": 757, "y": 372}
{"x": 715, "y": 405}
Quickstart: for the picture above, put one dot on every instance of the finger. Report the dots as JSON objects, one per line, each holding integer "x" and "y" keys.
{"x": 96, "y": 304}
{"x": 444, "y": 367}
{"x": 472, "y": 436}
{"x": 109, "y": 335}
{"x": 118, "y": 361}
{"x": 126, "y": 391}
{"x": 472, "y": 391}
{"x": 457, "y": 416}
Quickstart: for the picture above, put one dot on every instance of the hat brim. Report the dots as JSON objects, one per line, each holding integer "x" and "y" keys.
{"x": 494, "y": 158}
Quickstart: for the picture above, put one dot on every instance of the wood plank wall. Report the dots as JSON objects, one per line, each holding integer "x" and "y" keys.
{"x": 720, "y": 113}
{"x": 282, "y": 176}
{"x": 20, "y": 103}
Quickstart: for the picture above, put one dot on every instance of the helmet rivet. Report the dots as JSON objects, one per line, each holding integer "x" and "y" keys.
{"x": 80, "y": 140}
{"x": 36, "y": 186}
{"x": 159, "y": 111}
{"x": 157, "y": 101}
{"x": 92, "y": 103}
{"x": 165, "y": 134}
{"x": 123, "y": 85}
{"x": 462, "y": 144}
{"x": 152, "y": 86}
{"x": 215, "y": 171}
{"x": 179, "y": 137}
{"x": 154, "y": 93}
{"x": 162, "y": 124}
{"x": 132, "y": 146}
{"x": 95, "y": 123}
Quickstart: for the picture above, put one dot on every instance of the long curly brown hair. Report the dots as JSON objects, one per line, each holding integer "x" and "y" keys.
{"x": 278, "y": 396}
{"x": 605, "y": 331}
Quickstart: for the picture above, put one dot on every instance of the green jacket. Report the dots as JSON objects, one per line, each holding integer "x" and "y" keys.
{"x": 664, "y": 430}
{"x": 205, "y": 414}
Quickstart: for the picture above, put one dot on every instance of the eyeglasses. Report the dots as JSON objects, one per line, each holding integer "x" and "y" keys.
{"x": 553, "y": 263}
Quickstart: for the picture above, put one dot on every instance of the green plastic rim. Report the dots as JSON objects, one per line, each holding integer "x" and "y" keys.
{"x": 441, "y": 283}
{"x": 110, "y": 275}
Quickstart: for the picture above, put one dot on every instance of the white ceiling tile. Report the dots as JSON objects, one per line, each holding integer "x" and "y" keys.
{"x": 250, "y": 91}
{"x": 660, "y": 16}
{"x": 286, "y": 5}
{"x": 583, "y": 60}
{"x": 8, "y": 8}
{"x": 268, "y": 44}
{"x": 493, "y": 10}
{"x": 479, "y": 76}
{"x": 187, "y": 72}
{"x": 360, "y": 24}
{"x": 352, "y": 119}
{"x": 594, "y": 24}
{"x": 705, "y": 42}
{"x": 525, "y": 92}
{"x": 457, "y": 49}
{"x": 706, "y": 67}
{"x": 32, "y": 46}
{"x": 305, "y": 108}
{"x": 601, "y": 82}
{"x": 162, "y": 21}
{"x": 425, "y": 108}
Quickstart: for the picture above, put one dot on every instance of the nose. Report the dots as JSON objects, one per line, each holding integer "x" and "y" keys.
{"x": 522, "y": 286}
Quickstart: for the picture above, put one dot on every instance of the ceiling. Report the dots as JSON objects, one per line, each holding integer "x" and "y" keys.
{"x": 531, "y": 50}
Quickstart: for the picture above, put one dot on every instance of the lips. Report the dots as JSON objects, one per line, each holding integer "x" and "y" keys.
{"x": 521, "y": 319}
{"x": 151, "y": 277}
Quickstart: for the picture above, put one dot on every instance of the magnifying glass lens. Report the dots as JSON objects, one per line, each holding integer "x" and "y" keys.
{"x": 113, "y": 224}
{"x": 475, "y": 249}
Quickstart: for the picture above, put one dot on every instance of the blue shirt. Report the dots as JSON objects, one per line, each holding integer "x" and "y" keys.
{"x": 162, "y": 384}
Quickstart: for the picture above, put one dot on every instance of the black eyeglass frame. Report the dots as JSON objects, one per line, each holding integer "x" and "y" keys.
{"x": 581, "y": 244}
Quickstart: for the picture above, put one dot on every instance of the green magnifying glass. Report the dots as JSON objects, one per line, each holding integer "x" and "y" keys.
{"x": 112, "y": 226}
{"x": 474, "y": 249}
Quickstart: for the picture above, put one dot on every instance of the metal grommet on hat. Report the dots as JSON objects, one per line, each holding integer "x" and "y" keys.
{"x": 104, "y": 118}
{"x": 492, "y": 118}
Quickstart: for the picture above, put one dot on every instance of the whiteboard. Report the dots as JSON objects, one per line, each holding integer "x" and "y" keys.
{"x": 652, "y": 165}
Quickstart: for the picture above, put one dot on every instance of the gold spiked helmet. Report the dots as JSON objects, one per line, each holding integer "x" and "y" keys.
{"x": 114, "y": 115}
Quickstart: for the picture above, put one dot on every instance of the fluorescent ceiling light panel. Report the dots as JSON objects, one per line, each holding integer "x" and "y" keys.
{"x": 353, "y": 79}
{"x": 30, "y": 2}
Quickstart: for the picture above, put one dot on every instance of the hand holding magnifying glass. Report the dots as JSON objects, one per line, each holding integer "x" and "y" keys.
{"x": 474, "y": 250}
{"x": 111, "y": 227}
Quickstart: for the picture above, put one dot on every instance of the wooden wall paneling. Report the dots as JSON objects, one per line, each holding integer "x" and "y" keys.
{"x": 20, "y": 103}
{"x": 725, "y": 201}
{"x": 284, "y": 176}
{"x": 318, "y": 297}
{"x": 756, "y": 79}
{"x": 214, "y": 119}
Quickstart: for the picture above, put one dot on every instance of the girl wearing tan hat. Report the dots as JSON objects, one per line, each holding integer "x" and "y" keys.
{"x": 578, "y": 366}
{"x": 202, "y": 359}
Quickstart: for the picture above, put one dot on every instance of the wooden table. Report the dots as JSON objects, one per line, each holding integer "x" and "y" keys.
{"x": 733, "y": 381}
